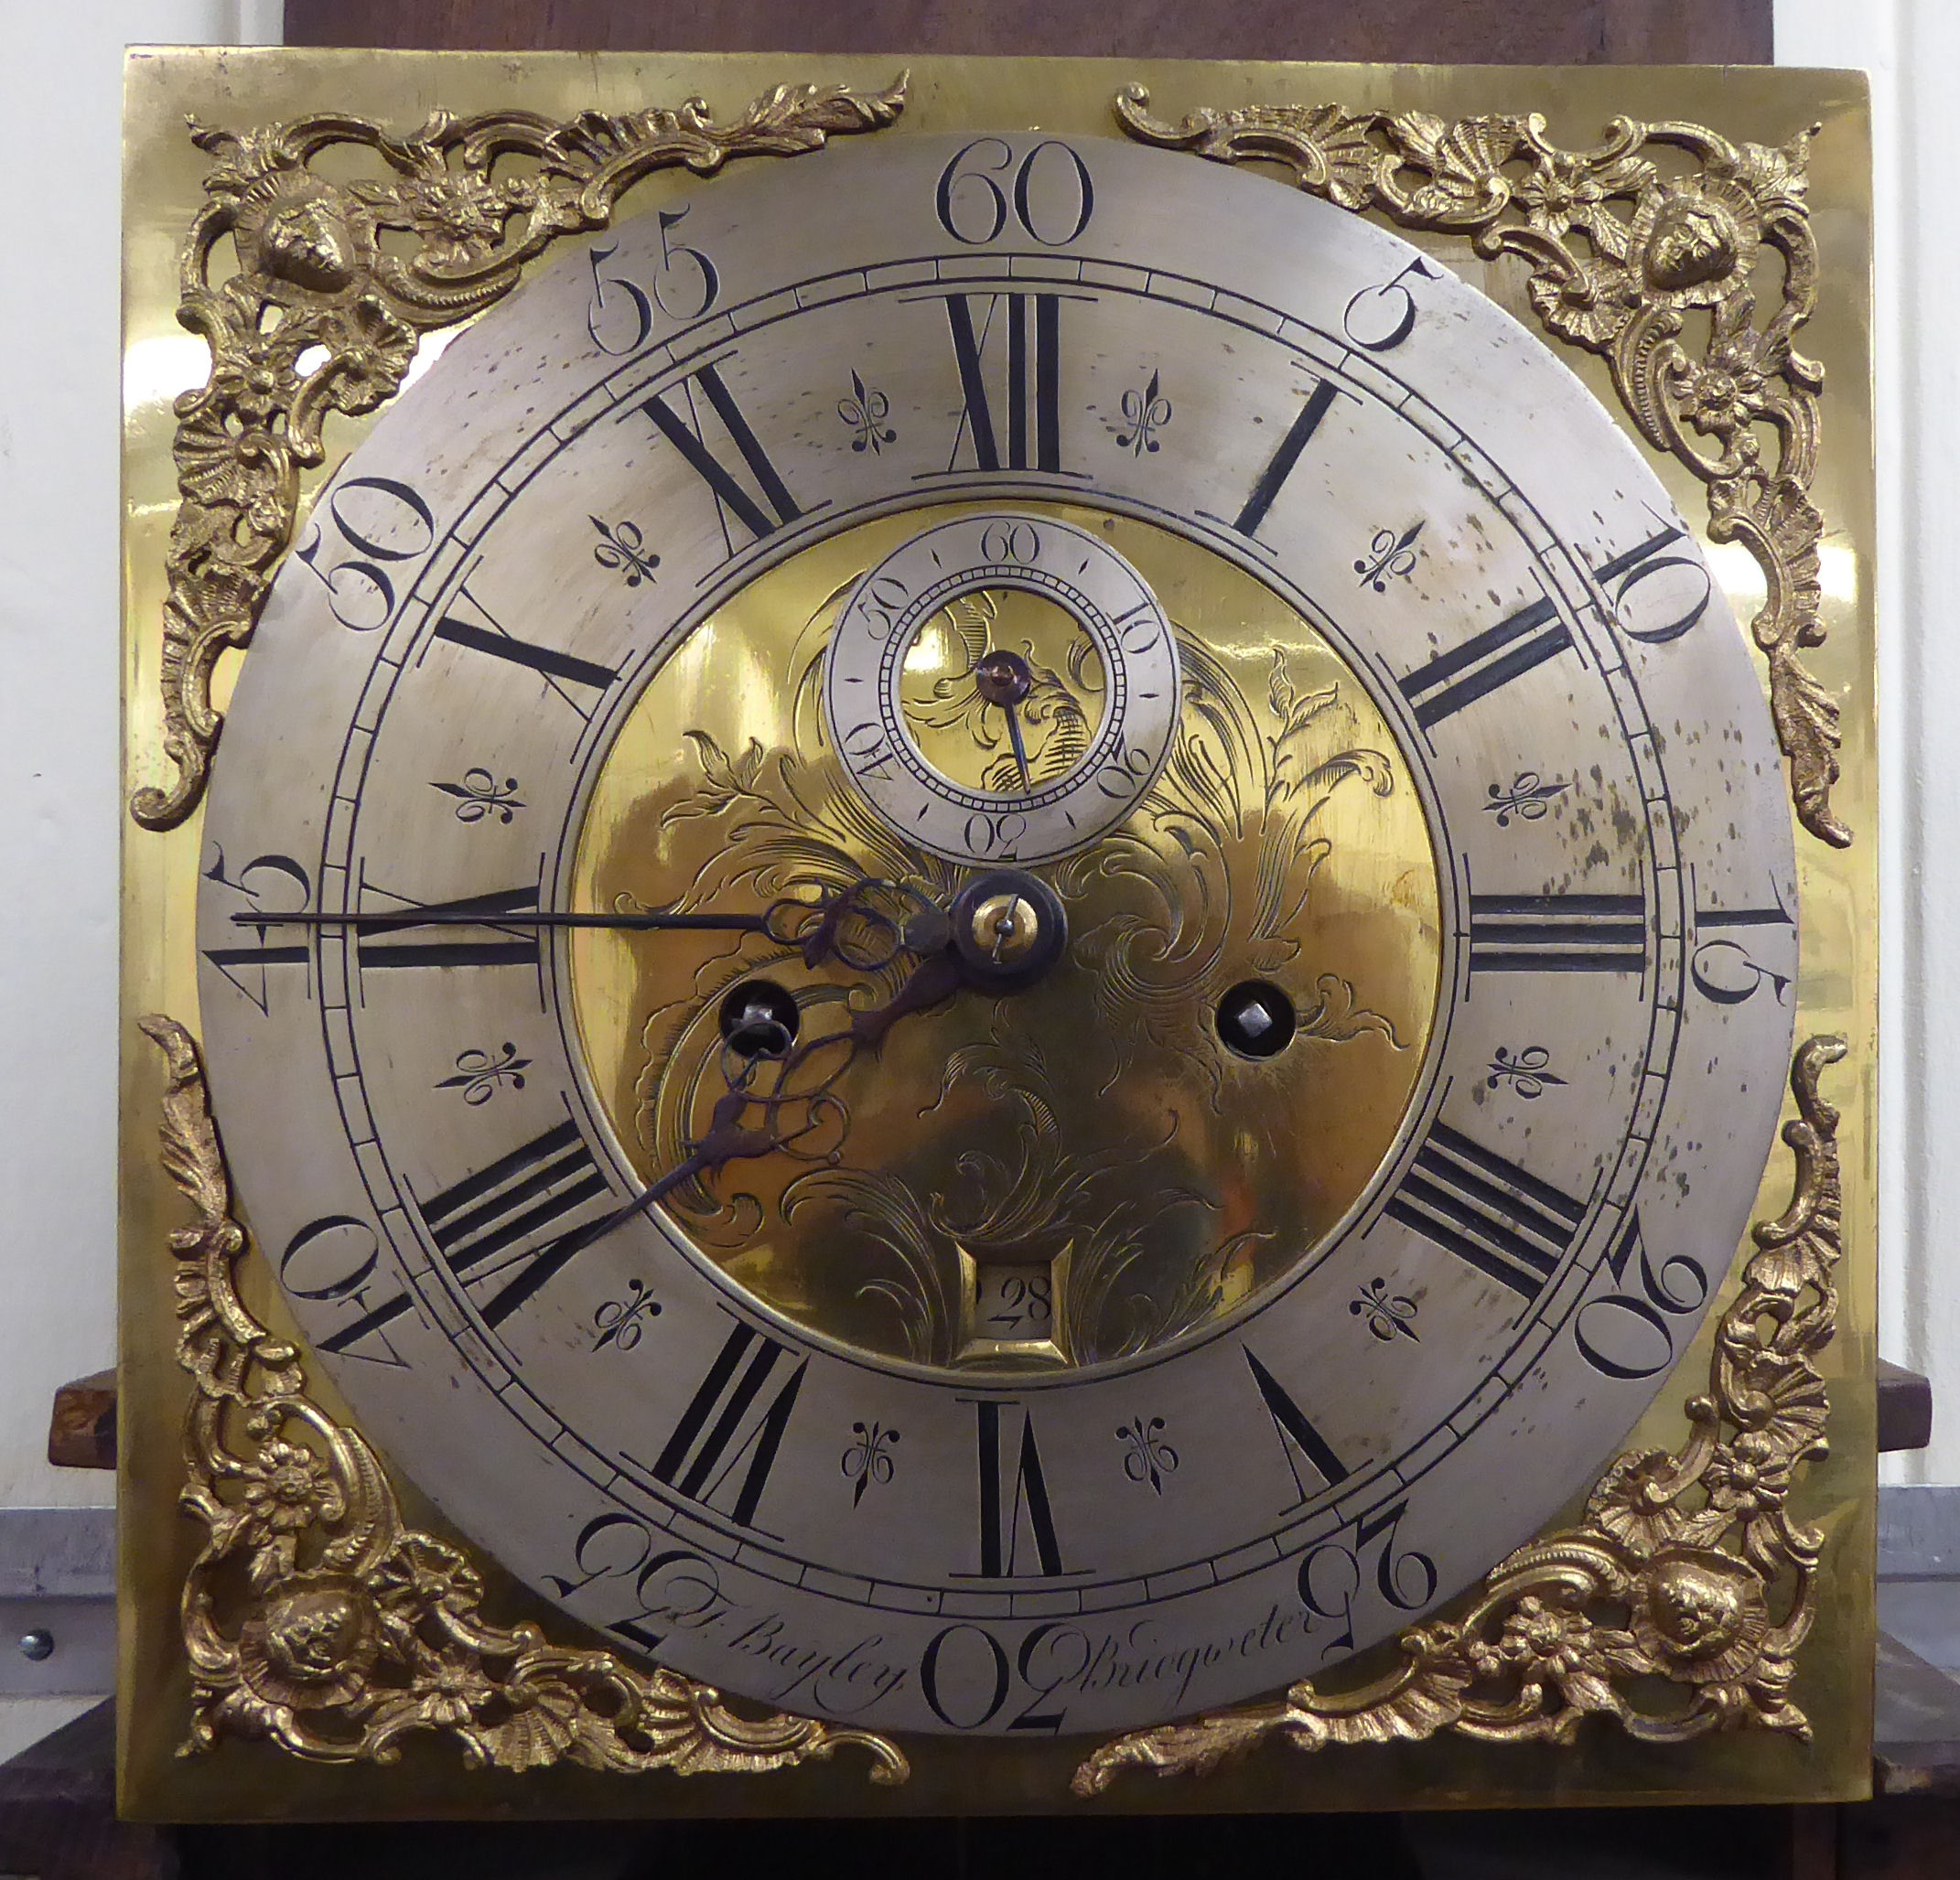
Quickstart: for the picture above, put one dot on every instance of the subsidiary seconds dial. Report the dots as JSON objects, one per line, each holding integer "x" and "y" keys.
{"x": 1003, "y": 687}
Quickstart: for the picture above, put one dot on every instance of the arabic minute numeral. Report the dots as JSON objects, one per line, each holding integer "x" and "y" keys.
{"x": 372, "y": 524}
{"x": 1658, "y": 615}
{"x": 246, "y": 966}
{"x": 619, "y": 316}
{"x": 1379, "y": 320}
{"x": 1626, "y": 1335}
{"x": 334, "y": 1259}
{"x": 1050, "y": 197}
{"x": 1724, "y": 969}
{"x": 1331, "y": 1575}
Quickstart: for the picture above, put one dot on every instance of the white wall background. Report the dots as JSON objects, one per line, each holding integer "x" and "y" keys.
{"x": 59, "y": 352}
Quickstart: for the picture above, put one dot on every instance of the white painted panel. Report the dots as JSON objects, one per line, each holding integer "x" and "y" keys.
{"x": 59, "y": 416}
{"x": 1911, "y": 49}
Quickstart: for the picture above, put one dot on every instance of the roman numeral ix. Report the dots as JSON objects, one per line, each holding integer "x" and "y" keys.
{"x": 1505, "y": 1222}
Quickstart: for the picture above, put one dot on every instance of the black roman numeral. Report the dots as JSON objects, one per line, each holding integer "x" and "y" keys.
{"x": 234, "y": 962}
{"x": 1319, "y": 402}
{"x": 1493, "y": 658}
{"x": 1505, "y": 1222}
{"x": 487, "y": 1224}
{"x": 1026, "y": 1503}
{"x": 374, "y": 950}
{"x": 468, "y": 623}
{"x": 1297, "y": 1436}
{"x": 700, "y": 1456}
{"x": 372, "y": 1323}
{"x": 1032, "y": 403}
{"x": 1557, "y": 933}
{"x": 761, "y": 511}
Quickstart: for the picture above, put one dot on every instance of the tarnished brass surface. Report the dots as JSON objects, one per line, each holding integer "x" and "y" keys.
{"x": 1689, "y": 1578}
{"x": 316, "y": 1619}
{"x": 1285, "y": 837}
{"x": 1833, "y": 1493}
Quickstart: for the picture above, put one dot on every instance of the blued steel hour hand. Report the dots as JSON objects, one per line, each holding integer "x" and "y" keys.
{"x": 1002, "y": 932}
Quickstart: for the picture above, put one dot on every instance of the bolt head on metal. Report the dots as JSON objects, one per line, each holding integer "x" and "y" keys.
{"x": 36, "y": 1645}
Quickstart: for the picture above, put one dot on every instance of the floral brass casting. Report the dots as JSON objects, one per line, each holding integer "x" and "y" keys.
{"x": 1686, "y": 244}
{"x": 1688, "y": 1568}
{"x": 315, "y": 1617}
{"x": 321, "y": 316}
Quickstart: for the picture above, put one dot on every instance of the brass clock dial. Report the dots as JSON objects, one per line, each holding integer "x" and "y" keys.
{"x": 1198, "y": 1128}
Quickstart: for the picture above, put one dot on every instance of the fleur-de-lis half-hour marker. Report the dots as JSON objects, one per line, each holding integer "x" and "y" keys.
{"x": 1146, "y": 413}
{"x": 479, "y": 795}
{"x": 866, "y": 412}
{"x": 1389, "y": 554}
{"x": 869, "y": 1459}
{"x": 1525, "y": 1071}
{"x": 1528, "y": 799}
{"x": 1148, "y": 1458}
{"x": 617, "y": 1321}
{"x": 624, "y": 548}
{"x": 1390, "y": 1314}
{"x": 479, "y": 1076}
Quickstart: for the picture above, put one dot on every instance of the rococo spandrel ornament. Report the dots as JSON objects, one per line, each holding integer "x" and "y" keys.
{"x": 995, "y": 938}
